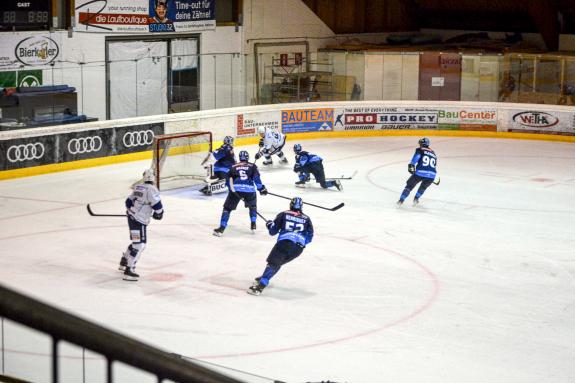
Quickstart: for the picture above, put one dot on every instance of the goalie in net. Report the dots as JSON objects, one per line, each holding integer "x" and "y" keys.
{"x": 178, "y": 160}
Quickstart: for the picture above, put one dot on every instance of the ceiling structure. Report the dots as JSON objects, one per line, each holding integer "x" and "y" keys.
{"x": 547, "y": 17}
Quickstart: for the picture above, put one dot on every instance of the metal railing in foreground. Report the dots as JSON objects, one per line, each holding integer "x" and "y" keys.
{"x": 62, "y": 326}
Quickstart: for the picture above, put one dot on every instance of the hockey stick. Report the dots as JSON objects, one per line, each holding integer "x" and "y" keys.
{"x": 311, "y": 204}
{"x": 244, "y": 201}
{"x": 261, "y": 216}
{"x": 340, "y": 178}
{"x": 102, "y": 215}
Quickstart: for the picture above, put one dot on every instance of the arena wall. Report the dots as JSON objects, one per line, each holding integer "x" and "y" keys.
{"x": 43, "y": 150}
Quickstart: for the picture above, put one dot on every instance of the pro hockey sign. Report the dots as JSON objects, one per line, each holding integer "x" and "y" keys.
{"x": 366, "y": 118}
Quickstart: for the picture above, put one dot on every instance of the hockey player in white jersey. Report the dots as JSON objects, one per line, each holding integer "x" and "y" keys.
{"x": 271, "y": 142}
{"x": 143, "y": 203}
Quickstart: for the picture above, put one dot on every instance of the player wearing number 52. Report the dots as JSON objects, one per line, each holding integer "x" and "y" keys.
{"x": 243, "y": 179}
{"x": 422, "y": 168}
{"x": 295, "y": 232}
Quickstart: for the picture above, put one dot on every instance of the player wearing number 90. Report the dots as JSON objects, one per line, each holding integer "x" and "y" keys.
{"x": 243, "y": 180}
{"x": 295, "y": 232}
{"x": 422, "y": 168}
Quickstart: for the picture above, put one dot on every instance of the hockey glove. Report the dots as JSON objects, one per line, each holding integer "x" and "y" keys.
{"x": 261, "y": 144}
{"x": 411, "y": 168}
{"x": 297, "y": 168}
{"x": 263, "y": 191}
{"x": 157, "y": 215}
{"x": 269, "y": 224}
{"x": 258, "y": 155}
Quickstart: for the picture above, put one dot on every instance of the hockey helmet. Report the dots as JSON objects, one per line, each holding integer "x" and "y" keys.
{"x": 244, "y": 156}
{"x": 261, "y": 130}
{"x": 148, "y": 175}
{"x": 296, "y": 204}
{"x": 297, "y": 148}
{"x": 424, "y": 142}
{"x": 228, "y": 140}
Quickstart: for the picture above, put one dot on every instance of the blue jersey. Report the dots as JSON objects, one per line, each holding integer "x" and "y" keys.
{"x": 224, "y": 158}
{"x": 293, "y": 226}
{"x": 243, "y": 176}
{"x": 425, "y": 161}
{"x": 303, "y": 158}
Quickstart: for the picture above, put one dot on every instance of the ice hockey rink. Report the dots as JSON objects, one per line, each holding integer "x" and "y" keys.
{"x": 475, "y": 284}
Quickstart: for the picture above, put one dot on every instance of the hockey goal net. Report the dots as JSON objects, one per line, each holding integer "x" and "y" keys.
{"x": 179, "y": 157}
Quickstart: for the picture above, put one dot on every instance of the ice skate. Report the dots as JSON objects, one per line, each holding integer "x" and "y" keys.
{"x": 415, "y": 201}
{"x": 206, "y": 190}
{"x": 256, "y": 289}
{"x": 284, "y": 160}
{"x": 268, "y": 162}
{"x": 253, "y": 227}
{"x": 130, "y": 276}
{"x": 337, "y": 184}
{"x": 399, "y": 202}
{"x": 219, "y": 231}
{"x": 300, "y": 184}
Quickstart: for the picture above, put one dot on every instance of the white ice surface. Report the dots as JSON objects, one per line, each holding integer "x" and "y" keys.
{"x": 476, "y": 284}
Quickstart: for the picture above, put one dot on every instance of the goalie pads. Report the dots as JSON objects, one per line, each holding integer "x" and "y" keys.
{"x": 215, "y": 187}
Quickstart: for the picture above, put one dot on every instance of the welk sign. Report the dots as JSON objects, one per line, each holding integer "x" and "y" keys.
{"x": 535, "y": 119}
{"x": 538, "y": 121}
{"x": 36, "y": 51}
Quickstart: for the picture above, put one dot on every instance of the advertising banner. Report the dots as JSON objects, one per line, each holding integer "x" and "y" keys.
{"x": 145, "y": 15}
{"x": 466, "y": 118}
{"x": 375, "y": 118}
{"x": 138, "y": 138}
{"x": 20, "y": 78}
{"x": 83, "y": 145}
{"x": 537, "y": 121}
{"x": 27, "y": 152}
{"x": 247, "y": 124}
{"x": 307, "y": 120}
{"x": 30, "y": 51}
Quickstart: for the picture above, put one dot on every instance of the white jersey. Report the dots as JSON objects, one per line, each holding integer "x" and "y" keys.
{"x": 273, "y": 140}
{"x": 146, "y": 199}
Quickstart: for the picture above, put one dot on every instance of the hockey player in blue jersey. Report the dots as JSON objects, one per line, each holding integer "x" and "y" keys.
{"x": 422, "y": 168}
{"x": 295, "y": 232}
{"x": 243, "y": 179}
{"x": 306, "y": 163}
{"x": 224, "y": 159}
{"x": 143, "y": 203}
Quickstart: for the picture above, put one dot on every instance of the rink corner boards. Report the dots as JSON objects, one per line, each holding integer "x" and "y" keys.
{"x": 291, "y": 137}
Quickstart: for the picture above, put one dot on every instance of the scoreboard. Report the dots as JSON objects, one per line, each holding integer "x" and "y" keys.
{"x": 17, "y": 15}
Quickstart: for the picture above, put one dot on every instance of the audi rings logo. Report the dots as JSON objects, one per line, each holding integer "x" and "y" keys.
{"x": 84, "y": 145}
{"x": 25, "y": 152}
{"x": 139, "y": 138}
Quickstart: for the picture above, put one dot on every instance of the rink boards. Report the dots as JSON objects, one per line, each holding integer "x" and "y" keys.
{"x": 57, "y": 148}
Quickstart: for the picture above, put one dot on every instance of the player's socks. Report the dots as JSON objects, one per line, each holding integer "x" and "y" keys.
{"x": 123, "y": 264}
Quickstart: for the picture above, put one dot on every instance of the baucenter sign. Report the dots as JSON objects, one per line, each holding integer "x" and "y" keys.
{"x": 36, "y": 51}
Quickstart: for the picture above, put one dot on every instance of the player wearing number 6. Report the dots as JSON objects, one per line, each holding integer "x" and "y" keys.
{"x": 243, "y": 179}
{"x": 295, "y": 232}
{"x": 422, "y": 168}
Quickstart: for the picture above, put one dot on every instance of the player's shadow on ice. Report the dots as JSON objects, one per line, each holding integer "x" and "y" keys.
{"x": 272, "y": 291}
